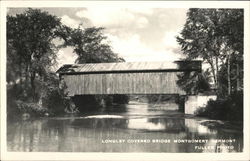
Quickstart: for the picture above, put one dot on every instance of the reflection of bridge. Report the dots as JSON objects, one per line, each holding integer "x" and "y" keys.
{"x": 126, "y": 78}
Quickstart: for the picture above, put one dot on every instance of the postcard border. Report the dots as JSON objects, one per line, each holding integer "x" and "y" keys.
{"x": 125, "y": 156}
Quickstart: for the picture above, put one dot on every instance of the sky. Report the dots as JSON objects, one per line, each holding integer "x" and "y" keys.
{"x": 134, "y": 33}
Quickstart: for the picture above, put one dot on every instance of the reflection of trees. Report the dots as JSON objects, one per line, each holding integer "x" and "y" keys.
{"x": 101, "y": 123}
{"x": 233, "y": 135}
{"x": 62, "y": 134}
{"x": 24, "y": 135}
{"x": 190, "y": 147}
{"x": 194, "y": 131}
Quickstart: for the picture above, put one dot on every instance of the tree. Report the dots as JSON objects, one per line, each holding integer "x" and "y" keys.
{"x": 215, "y": 36}
{"x": 91, "y": 46}
{"x": 232, "y": 30}
{"x": 31, "y": 51}
{"x": 193, "y": 82}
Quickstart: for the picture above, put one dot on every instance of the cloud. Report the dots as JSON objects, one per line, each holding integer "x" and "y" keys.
{"x": 65, "y": 19}
{"x": 142, "y": 22}
{"x": 107, "y": 16}
{"x": 66, "y": 56}
{"x": 111, "y": 17}
{"x": 169, "y": 39}
{"x": 141, "y": 10}
{"x": 171, "y": 19}
{"x": 132, "y": 49}
{"x": 145, "y": 34}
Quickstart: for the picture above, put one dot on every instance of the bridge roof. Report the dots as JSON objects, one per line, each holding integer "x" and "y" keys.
{"x": 129, "y": 67}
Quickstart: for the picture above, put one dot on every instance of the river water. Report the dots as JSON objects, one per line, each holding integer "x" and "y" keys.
{"x": 136, "y": 127}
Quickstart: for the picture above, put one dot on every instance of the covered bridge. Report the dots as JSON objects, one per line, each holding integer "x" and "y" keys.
{"x": 126, "y": 77}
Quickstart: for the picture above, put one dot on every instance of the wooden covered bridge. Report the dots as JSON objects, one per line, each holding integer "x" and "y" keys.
{"x": 126, "y": 77}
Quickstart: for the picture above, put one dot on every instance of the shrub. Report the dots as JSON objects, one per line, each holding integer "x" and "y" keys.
{"x": 20, "y": 102}
{"x": 230, "y": 108}
{"x": 54, "y": 97}
{"x": 32, "y": 108}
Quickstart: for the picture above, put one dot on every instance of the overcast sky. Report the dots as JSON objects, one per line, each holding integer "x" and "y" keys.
{"x": 136, "y": 34}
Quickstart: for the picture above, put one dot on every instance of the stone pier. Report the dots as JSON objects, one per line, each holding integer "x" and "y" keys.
{"x": 192, "y": 103}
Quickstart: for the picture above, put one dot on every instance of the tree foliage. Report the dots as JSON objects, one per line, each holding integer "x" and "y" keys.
{"x": 230, "y": 109}
{"x": 216, "y": 37}
{"x": 92, "y": 46}
{"x": 30, "y": 49}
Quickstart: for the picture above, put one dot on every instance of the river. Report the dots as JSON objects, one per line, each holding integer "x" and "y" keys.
{"x": 136, "y": 127}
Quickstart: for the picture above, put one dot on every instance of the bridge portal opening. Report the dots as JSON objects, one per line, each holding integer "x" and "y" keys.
{"x": 109, "y": 102}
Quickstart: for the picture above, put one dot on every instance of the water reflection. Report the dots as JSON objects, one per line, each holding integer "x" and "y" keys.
{"x": 144, "y": 124}
{"x": 195, "y": 126}
{"x": 167, "y": 131}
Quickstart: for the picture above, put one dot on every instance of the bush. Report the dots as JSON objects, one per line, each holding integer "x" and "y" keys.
{"x": 230, "y": 108}
{"x": 32, "y": 108}
{"x": 20, "y": 102}
{"x": 54, "y": 97}
{"x": 51, "y": 98}
{"x": 55, "y": 102}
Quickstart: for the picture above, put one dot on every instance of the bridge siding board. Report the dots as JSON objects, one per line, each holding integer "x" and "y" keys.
{"x": 126, "y": 78}
{"x": 123, "y": 83}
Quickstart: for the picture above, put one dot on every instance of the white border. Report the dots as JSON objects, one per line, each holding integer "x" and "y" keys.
{"x": 125, "y": 156}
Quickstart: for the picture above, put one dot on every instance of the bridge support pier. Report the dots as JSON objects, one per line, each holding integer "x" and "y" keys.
{"x": 194, "y": 102}
{"x": 181, "y": 103}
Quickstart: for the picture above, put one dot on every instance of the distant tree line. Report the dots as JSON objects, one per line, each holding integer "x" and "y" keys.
{"x": 34, "y": 38}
